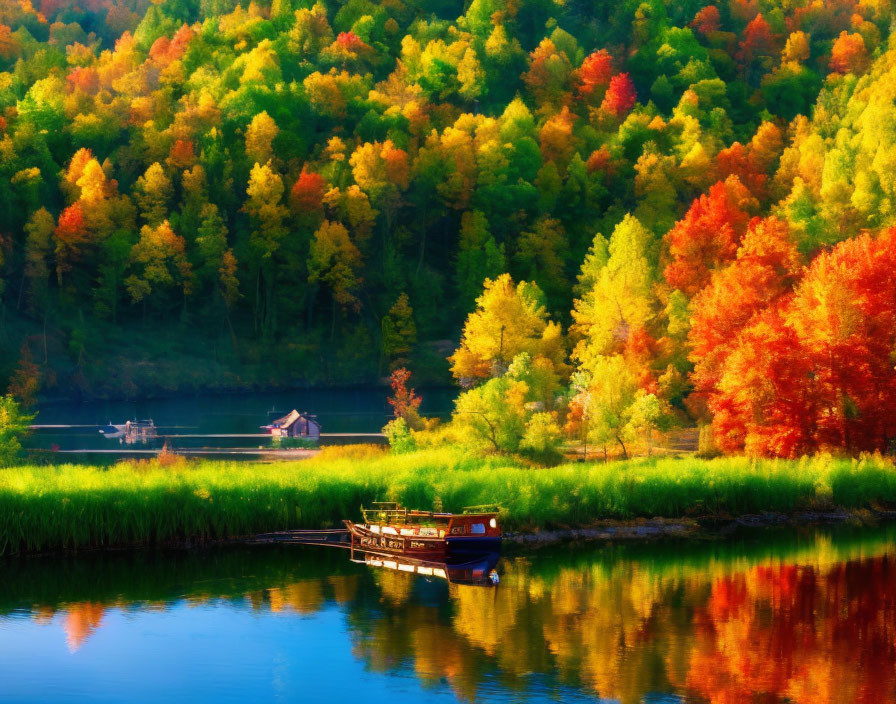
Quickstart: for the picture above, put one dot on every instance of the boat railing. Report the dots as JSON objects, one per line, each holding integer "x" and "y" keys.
{"x": 482, "y": 508}
{"x": 385, "y": 512}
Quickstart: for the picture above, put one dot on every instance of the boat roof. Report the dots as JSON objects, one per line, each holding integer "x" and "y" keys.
{"x": 393, "y": 513}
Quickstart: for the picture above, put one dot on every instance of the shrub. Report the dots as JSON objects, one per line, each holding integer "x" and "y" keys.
{"x": 399, "y": 436}
{"x": 542, "y": 438}
{"x": 13, "y": 425}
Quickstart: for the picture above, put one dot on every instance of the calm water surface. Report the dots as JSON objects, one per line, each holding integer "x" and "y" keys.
{"x": 192, "y": 422}
{"x": 807, "y": 618}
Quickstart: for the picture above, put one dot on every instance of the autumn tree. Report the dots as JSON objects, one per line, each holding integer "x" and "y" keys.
{"x": 708, "y": 235}
{"x": 260, "y": 135}
{"x": 159, "y": 263}
{"x": 405, "y": 403}
{"x": 71, "y": 237}
{"x": 616, "y": 296}
{"x": 620, "y": 96}
{"x": 849, "y": 54}
{"x": 153, "y": 192}
{"x": 336, "y": 262}
{"x": 812, "y": 370}
{"x": 503, "y": 414}
{"x": 707, "y": 20}
{"x": 509, "y": 319}
{"x": 307, "y": 194}
{"x": 267, "y": 215}
{"x": 766, "y": 268}
{"x": 844, "y": 316}
{"x": 595, "y": 73}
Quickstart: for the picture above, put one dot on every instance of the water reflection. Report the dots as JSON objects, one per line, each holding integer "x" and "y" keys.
{"x": 478, "y": 572}
{"x": 805, "y": 619}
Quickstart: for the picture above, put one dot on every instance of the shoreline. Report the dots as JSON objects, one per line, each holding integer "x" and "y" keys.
{"x": 643, "y": 530}
{"x": 170, "y": 501}
{"x": 701, "y": 528}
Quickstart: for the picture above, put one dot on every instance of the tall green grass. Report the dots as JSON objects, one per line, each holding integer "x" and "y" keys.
{"x": 76, "y": 506}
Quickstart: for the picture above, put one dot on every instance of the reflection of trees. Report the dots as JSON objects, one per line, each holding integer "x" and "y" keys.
{"x": 817, "y": 624}
{"x": 800, "y": 634}
{"x": 81, "y": 620}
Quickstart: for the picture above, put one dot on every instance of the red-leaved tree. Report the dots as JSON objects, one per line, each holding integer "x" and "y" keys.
{"x": 595, "y": 72}
{"x": 708, "y": 235}
{"x": 620, "y": 96}
{"x": 814, "y": 370}
{"x": 405, "y": 403}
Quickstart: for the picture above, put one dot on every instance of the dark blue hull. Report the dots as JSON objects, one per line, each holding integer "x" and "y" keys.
{"x": 458, "y": 548}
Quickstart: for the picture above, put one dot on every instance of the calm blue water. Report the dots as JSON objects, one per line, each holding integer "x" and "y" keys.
{"x": 802, "y": 617}
{"x": 339, "y": 411}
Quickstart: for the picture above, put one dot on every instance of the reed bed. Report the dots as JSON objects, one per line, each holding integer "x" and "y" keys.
{"x": 69, "y": 507}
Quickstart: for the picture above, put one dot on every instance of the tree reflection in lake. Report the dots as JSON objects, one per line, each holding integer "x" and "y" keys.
{"x": 798, "y": 618}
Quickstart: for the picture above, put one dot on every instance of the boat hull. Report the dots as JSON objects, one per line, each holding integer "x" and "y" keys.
{"x": 471, "y": 547}
{"x": 444, "y": 549}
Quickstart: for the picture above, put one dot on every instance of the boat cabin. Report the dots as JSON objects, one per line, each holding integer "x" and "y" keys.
{"x": 295, "y": 425}
{"x": 139, "y": 431}
{"x": 390, "y": 529}
{"x": 388, "y": 518}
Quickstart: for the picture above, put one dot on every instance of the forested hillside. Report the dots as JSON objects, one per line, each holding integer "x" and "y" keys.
{"x": 222, "y": 193}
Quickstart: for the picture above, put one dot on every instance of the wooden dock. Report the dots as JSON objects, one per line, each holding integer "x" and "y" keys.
{"x": 333, "y": 537}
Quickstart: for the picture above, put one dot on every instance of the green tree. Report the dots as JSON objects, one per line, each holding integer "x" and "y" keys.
{"x": 399, "y": 332}
{"x": 478, "y": 259}
{"x": 14, "y": 424}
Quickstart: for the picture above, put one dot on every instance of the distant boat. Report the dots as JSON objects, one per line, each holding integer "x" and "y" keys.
{"x": 131, "y": 431}
{"x": 112, "y": 431}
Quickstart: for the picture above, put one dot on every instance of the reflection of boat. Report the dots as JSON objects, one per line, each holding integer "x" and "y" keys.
{"x": 392, "y": 530}
{"x": 477, "y": 572}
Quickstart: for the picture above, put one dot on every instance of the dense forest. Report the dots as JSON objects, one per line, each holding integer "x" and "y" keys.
{"x": 692, "y": 197}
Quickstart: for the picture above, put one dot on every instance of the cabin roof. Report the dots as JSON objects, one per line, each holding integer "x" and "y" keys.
{"x": 291, "y": 418}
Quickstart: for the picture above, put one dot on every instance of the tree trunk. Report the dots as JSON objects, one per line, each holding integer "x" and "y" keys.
{"x": 46, "y": 354}
{"x": 622, "y": 445}
{"x": 333, "y": 322}
{"x": 257, "y": 300}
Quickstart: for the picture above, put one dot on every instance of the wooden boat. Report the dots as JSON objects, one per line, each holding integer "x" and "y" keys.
{"x": 389, "y": 529}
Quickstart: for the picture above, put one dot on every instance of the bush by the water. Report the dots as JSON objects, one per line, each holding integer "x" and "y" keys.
{"x": 137, "y": 503}
{"x": 13, "y": 425}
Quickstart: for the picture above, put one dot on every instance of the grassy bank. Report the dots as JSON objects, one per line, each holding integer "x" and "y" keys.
{"x": 75, "y": 506}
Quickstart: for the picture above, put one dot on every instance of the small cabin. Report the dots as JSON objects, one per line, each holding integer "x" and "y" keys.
{"x": 295, "y": 425}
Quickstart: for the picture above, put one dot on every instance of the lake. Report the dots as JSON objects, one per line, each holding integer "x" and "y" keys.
{"x": 361, "y": 410}
{"x": 802, "y": 616}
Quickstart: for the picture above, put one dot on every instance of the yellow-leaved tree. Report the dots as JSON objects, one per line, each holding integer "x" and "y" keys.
{"x": 335, "y": 261}
{"x": 616, "y": 297}
{"x": 159, "y": 263}
{"x": 260, "y": 135}
{"x": 509, "y": 319}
